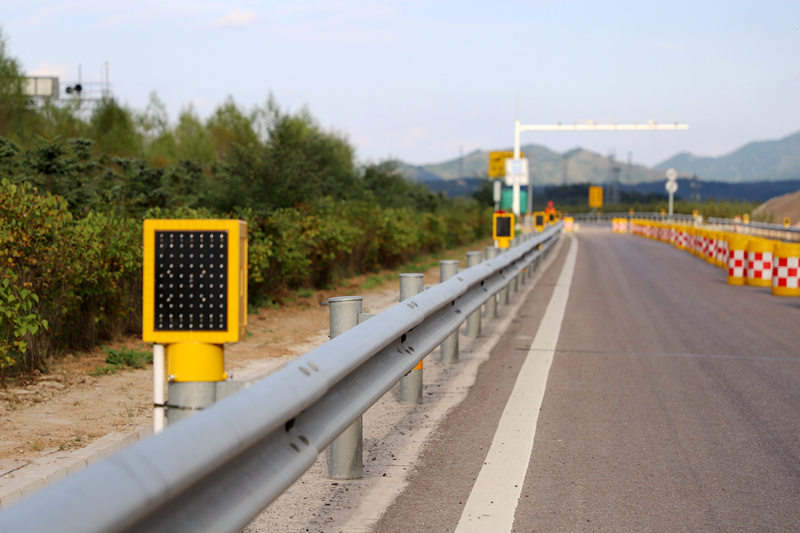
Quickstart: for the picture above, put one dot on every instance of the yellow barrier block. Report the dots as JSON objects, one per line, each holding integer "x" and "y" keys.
{"x": 759, "y": 262}
{"x": 721, "y": 259}
{"x": 737, "y": 259}
{"x": 700, "y": 239}
{"x": 711, "y": 246}
{"x": 786, "y": 270}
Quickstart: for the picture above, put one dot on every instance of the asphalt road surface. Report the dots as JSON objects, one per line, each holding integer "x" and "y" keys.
{"x": 671, "y": 402}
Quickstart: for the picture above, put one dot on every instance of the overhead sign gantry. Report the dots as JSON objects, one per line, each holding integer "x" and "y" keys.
{"x": 588, "y": 126}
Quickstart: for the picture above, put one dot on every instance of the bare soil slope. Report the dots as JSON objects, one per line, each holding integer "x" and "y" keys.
{"x": 787, "y": 205}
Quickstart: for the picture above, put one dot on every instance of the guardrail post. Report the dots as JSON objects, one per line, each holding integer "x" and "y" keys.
{"x": 504, "y": 296}
{"x": 346, "y": 451}
{"x": 491, "y": 303}
{"x": 449, "y": 347}
{"x": 474, "y": 320}
{"x": 515, "y": 282}
{"x": 411, "y": 383}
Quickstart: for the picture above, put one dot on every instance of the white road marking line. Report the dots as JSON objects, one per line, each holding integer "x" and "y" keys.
{"x": 492, "y": 503}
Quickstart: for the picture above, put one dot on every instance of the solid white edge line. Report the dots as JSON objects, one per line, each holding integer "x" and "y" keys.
{"x": 492, "y": 504}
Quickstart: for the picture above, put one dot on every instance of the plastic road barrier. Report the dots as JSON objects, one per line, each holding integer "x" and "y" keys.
{"x": 737, "y": 259}
{"x": 722, "y": 249}
{"x": 786, "y": 269}
{"x": 711, "y": 246}
{"x": 759, "y": 262}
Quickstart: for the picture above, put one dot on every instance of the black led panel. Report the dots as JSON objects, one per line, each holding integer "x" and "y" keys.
{"x": 191, "y": 281}
{"x": 503, "y": 228}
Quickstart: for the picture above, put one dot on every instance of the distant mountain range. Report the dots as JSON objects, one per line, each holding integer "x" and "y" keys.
{"x": 775, "y": 160}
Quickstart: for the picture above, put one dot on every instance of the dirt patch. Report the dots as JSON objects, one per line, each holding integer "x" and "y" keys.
{"x": 68, "y": 408}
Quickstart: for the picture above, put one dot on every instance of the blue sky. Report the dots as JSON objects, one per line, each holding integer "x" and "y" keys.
{"x": 422, "y": 80}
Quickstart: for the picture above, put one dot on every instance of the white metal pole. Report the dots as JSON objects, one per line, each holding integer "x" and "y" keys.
{"x": 159, "y": 378}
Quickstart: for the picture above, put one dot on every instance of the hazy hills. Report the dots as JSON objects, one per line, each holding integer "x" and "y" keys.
{"x": 757, "y": 161}
{"x": 774, "y": 160}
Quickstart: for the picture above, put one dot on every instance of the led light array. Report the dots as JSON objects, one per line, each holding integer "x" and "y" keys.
{"x": 191, "y": 281}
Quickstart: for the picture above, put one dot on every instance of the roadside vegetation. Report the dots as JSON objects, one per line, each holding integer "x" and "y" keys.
{"x": 76, "y": 186}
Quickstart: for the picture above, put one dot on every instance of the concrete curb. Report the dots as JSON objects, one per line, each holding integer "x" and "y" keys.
{"x": 49, "y": 469}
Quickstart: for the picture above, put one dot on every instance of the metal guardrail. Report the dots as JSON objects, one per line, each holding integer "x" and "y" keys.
{"x": 216, "y": 470}
{"x": 607, "y": 217}
{"x": 754, "y": 225}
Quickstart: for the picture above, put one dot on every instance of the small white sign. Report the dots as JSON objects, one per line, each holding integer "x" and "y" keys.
{"x": 672, "y": 174}
{"x": 517, "y": 172}
{"x": 671, "y": 187}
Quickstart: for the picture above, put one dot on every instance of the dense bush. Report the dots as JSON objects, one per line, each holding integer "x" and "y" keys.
{"x": 73, "y": 280}
{"x": 76, "y": 188}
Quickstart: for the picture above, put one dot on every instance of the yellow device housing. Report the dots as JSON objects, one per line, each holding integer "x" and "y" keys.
{"x": 195, "y": 281}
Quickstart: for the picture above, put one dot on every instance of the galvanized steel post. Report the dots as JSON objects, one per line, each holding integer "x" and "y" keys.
{"x": 504, "y": 296}
{"x": 491, "y": 303}
{"x": 411, "y": 383}
{"x": 474, "y": 320}
{"x": 449, "y": 347}
{"x": 346, "y": 451}
{"x": 515, "y": 282}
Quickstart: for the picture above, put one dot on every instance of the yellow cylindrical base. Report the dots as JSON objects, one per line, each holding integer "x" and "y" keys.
{"x": 734, "y": 280}
{"x": 785, "y": 291}
{"x": 195, "y": 361}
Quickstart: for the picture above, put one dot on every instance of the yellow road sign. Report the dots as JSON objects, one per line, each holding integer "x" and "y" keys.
{"x": 595, "y": 196}
{"x": 497, "y": 162}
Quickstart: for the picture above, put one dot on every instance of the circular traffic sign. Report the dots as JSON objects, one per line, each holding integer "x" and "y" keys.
{"x": 671, "y": 187}
{"x": 672, "y": 174}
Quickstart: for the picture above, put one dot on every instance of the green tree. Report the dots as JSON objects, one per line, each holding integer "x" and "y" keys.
{"x": 229, "y": 126}
{"x": 192, "y": 138}
{"x": 13, "y": 101}
{"x": 62, "y": 120}
{"x": 113, "y": 130}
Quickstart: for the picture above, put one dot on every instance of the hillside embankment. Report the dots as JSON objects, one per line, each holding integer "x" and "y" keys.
{"x": 776, "y": 209}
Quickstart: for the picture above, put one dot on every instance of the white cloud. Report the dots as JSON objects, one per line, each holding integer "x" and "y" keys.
{"x": 237, "y": 17}
{"x": 46, "y": 68}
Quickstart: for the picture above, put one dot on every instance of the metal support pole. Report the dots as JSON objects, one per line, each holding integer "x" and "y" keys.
{"x": 159, "y": 380}
{"x": 449, "y": 347}
{"x": 491, "y": 303}
{"x": 504, "y": 296}
{"x": 515, "y": 282}
{"x": 346, "y": 451}
{"x": 193, "y": 369}
{"x": 411, "y": 383}
{"x": 186, "y": 398}
{"x": 474, "y": 320}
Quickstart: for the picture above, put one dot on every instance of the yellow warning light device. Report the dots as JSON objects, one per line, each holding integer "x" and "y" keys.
{"x": 540, "y": 219}
{"x": 787, "y": 222}
{"x": 195, "y": 281}
{"x": 503, "y": 228}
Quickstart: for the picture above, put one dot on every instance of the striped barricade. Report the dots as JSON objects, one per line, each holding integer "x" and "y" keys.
{"x": 786, "y": 269}
{"x": 721, "y": 258}
{"x": 759, "y": 262}
{"x": 711, "y": 246}
{"x": 737, "y": 259}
